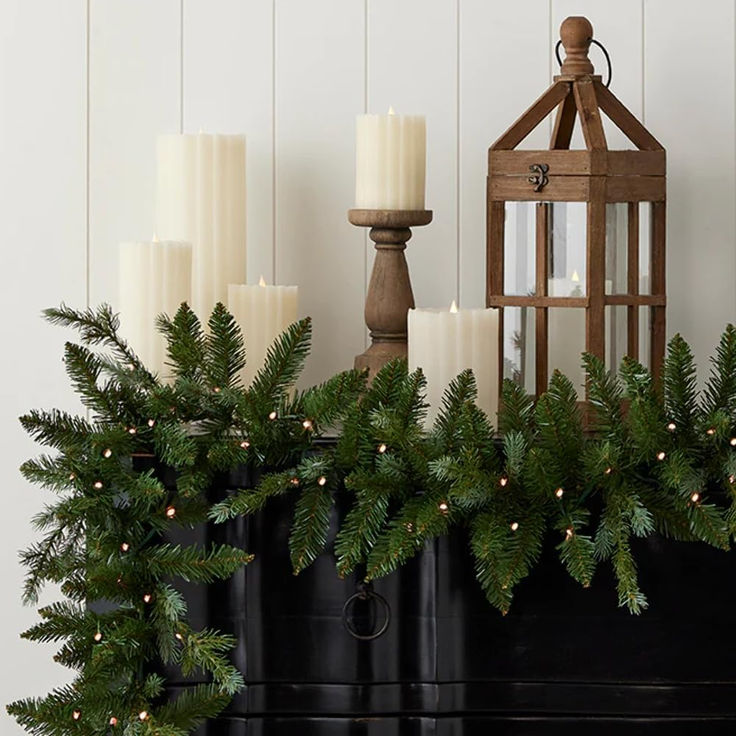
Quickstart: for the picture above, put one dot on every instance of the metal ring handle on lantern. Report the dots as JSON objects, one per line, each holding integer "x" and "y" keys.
{"x": 600, "y": 46}
{"x": 365, "y": 592}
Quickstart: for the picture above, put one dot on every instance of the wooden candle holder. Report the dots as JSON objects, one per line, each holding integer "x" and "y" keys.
{"x": 389, "y": 296}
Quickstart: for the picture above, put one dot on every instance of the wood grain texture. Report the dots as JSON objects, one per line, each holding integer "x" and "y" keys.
{"x": 228, "y": 88}
{"x": 134, "y": 95}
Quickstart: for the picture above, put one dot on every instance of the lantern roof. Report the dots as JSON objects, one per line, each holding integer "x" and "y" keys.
{"x": 578, "y": 93}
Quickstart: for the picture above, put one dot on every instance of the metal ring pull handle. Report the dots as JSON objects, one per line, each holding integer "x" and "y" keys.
{"x": 595, "y": 43}
{"x": 365, "y": 592}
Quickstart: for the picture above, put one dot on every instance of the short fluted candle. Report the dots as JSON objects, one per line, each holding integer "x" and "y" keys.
{"x": 391, "y": 153}
{"x": 155, "y": 278}
{"x": 443, "y": 343}
{"x": 200, "y": 198}
{"x": 263, "y": 313}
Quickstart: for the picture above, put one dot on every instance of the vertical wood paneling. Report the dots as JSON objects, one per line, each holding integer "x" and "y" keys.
{"x": 42, "y": 259}
{"x": 319, "y": 90}
{"x": 689, "y": 107}
{"x": 134, "y": 96}
{"x": 504, "y": 67}
{"x": 618, "y": 26}
{"x": 228, "y": 88}
{"x": 412, "y": 65}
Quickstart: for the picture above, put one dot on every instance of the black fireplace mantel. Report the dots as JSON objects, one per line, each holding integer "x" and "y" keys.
{"x": 565, "y": 660}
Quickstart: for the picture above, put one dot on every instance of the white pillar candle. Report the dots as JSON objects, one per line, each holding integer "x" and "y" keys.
{"x": 155, "y": 278}
{"x": 390, "y": 167}
{"x": 263, "y": 313}
{"x": 201, "y": 199}
{"x": 443, "y": 343}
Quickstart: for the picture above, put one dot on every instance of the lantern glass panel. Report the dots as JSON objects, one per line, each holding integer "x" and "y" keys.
{"x": 567, "y": 249}
{"x": 519, "y": 346}
{"x": 567, "y": 344}
{"x": 645, "y": 246}
{"x": 616, "y": 336}
{"x": 617, "y": 243}
{"x": 645, "y": 345}
{"x": 519, "y": 248}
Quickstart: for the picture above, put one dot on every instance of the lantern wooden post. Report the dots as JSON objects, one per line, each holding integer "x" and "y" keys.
{"x": 597, "y": 176}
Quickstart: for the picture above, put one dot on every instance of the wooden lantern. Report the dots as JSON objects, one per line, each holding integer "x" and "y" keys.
{"x": 619, "y": 200}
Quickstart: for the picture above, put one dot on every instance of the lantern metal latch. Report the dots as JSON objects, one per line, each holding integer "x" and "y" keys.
{"x": 539, "y": 176}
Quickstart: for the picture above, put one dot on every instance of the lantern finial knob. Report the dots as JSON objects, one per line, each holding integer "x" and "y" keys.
{"x": 576, "y": 33}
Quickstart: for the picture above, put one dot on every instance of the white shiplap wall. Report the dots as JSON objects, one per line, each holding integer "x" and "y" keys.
{"x": 86, "y": 85}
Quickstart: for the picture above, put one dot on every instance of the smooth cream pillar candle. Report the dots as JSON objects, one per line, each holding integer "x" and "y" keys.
{"x": 443, "y": 343}
{"x": 263, "y": 313}
{"x": 200, "y": 198}
{"x": 391, "y": 153}
{"x": 155, "y": 278}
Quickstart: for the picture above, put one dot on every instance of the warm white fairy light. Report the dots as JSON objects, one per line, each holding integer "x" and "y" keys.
{"x": 170, "y": 512}
{"x": 113, "y": 721}
{"x": 217, "y": 389}
{"x": 409, "y": 527}
{"x": 124, "y": 547}
{"x": 147, "y": 598}
{"x": 151, "y": 422}
{"x": 710, "y": 431}
{"x": 732, "y": 479}
{"x": 98, "y": 484}
{"x": 307, "y": 424}
{"x": 560, "y": 492}
{"x": 661, "y": 455}
{"x": 443, "y": 507}
{"x": 321, "y": 480}
{"x": 608, "y": 470}
{"x": 76, "y": 714}
{"x": 143, "y": 715}
{"x": 107, "y": 453}
{"x": 569, "y": 532}
{"x": 272, "y": 415}
{"x": 72, "y": 476}
{"x": 179, "y": 636}
{"x": 382, "y": 448}
{"x": 672, "y": 426}
{"x": 245, "y": 444}
{"x": 295, "y": 481}
{"x": 732, "y": 442}
{"x": 98, "y": 637}
{"x": 514, "y": 526}
{"x": 132, "y": 430}
{"x": 695, "y": 497}
{"x": 503, "y": 481}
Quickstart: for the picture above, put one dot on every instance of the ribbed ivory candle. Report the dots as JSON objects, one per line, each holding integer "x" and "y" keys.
{"x": 201, "y": 199}
{"x": 263, "y": 313}
{"x": 390, "y": 157}
{"x": 443, "y": 343}
{"x": 155, "y": 278}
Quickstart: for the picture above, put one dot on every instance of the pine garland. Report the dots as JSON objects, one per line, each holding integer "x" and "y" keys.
{"x": 650, "y": 458}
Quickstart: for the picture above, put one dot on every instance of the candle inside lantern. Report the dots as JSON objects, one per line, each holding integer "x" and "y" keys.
{"x": 155, "y": 278}
{"x": 201, "y": 199}
{"x": 443, "y": 343}
{"x": 390, "y": 162}
{"x": 263, "y": 313}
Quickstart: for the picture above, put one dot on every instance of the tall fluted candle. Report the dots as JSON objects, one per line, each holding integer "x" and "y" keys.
{"x": 443, "y": 343}
{"x": 263, "y": 313}
{"x": 391, "y": 153}
{"x": 201, "y": 199}
{"x": 155, "y": 278}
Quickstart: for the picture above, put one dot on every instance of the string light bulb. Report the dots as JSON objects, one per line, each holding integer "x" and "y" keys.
{"x": 732, "y": 479}
{"x": 732, "y": 441}
{"x": 671, "y": 426}
{"x": 170, "y": 512}
{"x": 151, "y": 422}
{"x": 295, "y": 481}
{"x": 608, "y": 470}
{"x": 76, "y": 714}
{"x": 661, "y": 455}
{"x": 409, "y": 527}
{"x": 217, "y": 389}
{"x": 179, "y": 636}
{"x": 307, "y": 424}
{"x": 143, "y": 715}
{"x": 107, "y": 453}
{"x": 560, "y": 492}
{"x": 514, "y": 526}
{"x": 695, "y": 497}
{"x": 113, "y": 721}
{"x": 245, "y": 444}
{"x": 710, "y": 431}
{"x": 443, "y": 507}
{"x": 321, "y": 480}
{"x": 503, "y": 481}
{"x": 382, "y": 448}
{"x": 569, "y": 532}
{"x": 98, "y": 637}
{"x": 72, "y": 476}
{"x": 124, "y": 547}
{"x": 97, "y": 485}
{"x": 147, "y": 598}
{"x": 272, "y": 415}
{"x": 132, "y": 430}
